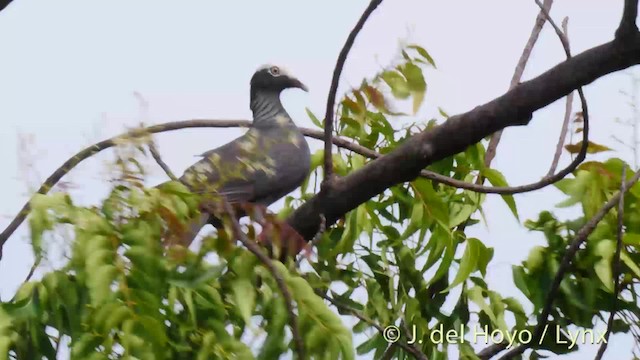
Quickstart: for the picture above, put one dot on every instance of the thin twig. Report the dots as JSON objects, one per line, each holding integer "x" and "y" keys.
{"x": 331, "y": 98}
{"x": 583, "y": 101}
{"x": 573, "y": 248}
{"x": 561, "y": 35}
{"x": 628, "y": 25}
{"x": 156, "y": 155}
{"x": 410, "y": 348}
{"x": 616, "y": 267}
{"x": 288, "y": 299}
{"x": 567, "y": 117}
{"x": 29, "y": 275}
{"x": 517, "y": 76}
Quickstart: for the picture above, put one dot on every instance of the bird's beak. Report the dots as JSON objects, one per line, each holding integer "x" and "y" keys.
{"x": 298, "y": 84}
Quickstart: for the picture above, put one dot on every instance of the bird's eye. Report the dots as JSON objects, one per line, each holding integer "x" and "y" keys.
{"x": 275, "y": 71}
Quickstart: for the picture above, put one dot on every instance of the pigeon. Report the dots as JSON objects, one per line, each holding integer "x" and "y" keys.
{"x": 266, "y": 163}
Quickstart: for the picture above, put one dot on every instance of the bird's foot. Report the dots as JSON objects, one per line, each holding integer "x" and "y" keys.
{"x": 282, "y": 239}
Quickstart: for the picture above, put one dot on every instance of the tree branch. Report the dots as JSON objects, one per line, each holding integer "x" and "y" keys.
{"x": 288, "y": 299}
{"x": 573, "y": 248}
{"x": 517, "y": 76}
{"x": 617, "y": 288}
{"x": 156, "y": 155}
{"x": 86, "y": 153}
{"x": 628, "y": 27}
{"x": 513, "y": 108}
{"x": 4, "y": 4}
{"x": 331, "y": 98}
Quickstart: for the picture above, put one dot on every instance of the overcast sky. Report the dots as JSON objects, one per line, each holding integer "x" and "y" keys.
{"x": 69, "y": 70}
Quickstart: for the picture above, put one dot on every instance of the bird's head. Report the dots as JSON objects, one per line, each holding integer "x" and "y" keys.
{"x": 274, "y": 78}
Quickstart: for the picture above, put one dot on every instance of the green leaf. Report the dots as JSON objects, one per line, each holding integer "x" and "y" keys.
{"x": 460, "y": 213}
{"x": 605, "y": 249}
{"x": 435, "y": 207}
{"x": 445, "y": 263}
{"x": 496, "y": 178}
{"x": 423, "y": 53}
{"x": 475, "y": 295}
{"x": 244, "y": 296}
{"x": 353, "y": 229}
{"x": 468, "y": 263}
{"x": 416, "y": 82}
{"x": 536, "y": 258}
{"x": 519, "y": 279}
{"x": 397, "y": 83}
{"x": 632, "y": 239}
{"x": 592, "y": 148}
{"x": 313, "y": 118}
{"x": 417, "y": 215}
{"x": 630, "y": 263}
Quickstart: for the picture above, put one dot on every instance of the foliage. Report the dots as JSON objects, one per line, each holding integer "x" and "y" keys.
{"x": 395, "y": 260}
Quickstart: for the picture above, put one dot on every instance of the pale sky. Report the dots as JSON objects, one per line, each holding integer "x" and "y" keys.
{"x": 69, "y": 69}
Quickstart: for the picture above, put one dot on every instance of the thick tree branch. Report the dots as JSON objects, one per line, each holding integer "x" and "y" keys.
{"x": 331, "y": 98}
{"x": 616, "y": 267}
{"x": 573, "y": 248}
{"x": 517, "y": 76}
{"x": 513, "y": 108}
{"x": 4, "y": 4}
{"x": 628, "y": 27}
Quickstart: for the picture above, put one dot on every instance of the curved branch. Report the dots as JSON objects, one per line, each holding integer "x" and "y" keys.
{"x": 567, "y": 117}
{"x": 331, "y": 98}
{"x": 573, "y": 248}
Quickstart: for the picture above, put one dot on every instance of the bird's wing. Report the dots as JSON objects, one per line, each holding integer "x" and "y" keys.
{"x": 227, "y": 170}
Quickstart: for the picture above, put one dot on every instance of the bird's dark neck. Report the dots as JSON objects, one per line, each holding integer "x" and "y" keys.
{"x": 267, "y": 108}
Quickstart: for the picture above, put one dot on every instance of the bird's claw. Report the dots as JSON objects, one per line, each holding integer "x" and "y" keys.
{"x": 288, "y": 241}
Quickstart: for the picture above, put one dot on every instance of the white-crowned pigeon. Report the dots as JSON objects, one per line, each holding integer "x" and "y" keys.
{"x": 269, "y": 161}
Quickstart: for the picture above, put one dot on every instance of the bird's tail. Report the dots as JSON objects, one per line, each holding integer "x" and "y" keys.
{"x": 186, "y": 237}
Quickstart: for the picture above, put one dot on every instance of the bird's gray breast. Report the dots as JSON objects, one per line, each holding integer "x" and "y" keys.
{"x": 290, "y": 162}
